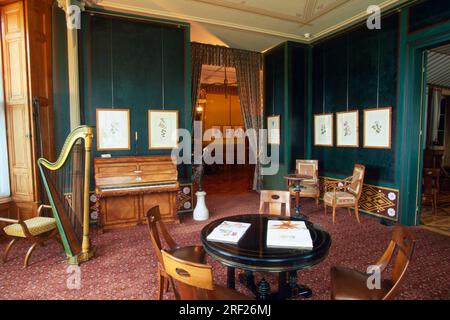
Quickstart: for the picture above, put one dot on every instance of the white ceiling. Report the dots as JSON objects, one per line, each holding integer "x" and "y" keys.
{"x": 255, "y": 24}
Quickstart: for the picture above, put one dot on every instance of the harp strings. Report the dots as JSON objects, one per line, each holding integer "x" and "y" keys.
{"x": 69, "y": 181}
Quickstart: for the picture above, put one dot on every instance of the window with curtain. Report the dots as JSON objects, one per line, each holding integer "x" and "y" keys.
{"x": 4, "y": 170}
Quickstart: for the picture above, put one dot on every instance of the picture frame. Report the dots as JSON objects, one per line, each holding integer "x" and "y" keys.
{"x": 347, "y": 129}
{"x": 162, "y": 129}
{"x": 323, "y": 130}
{"x": 378, "y": 128}
{"x": 273, "y": 128}
{"x": 113, "y": 129}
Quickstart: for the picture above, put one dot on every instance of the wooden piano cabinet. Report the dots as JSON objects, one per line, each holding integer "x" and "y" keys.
{"x": 126, "y": 187}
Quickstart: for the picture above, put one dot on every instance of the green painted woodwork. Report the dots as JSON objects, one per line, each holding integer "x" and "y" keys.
{"x": 411, "y": 107}
{"x": 428, "y": 13}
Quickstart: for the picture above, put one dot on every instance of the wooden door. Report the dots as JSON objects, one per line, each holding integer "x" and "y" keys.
{"x": 38, "y": 21}
{"x": 17, "y": 102}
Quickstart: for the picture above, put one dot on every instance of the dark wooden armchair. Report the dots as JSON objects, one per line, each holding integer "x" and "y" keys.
{"x": 348, "y": 284}
{"x": 430, "y": 187}
{"x": 38, "y": 229}
{"x": 194, "y": 281}
{"x": 190, "y": 253}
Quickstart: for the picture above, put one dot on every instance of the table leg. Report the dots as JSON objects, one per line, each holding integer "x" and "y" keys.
{"x": 283, "y": 287}
{"x": 263, "y": 290}
{"x": 298, "y": 290}
{"x": 230, "y": 278}
{"x": 248, "y": 279}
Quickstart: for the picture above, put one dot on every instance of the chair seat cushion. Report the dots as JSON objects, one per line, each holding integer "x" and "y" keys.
{"x": 342, "y": 198}
{"x": 224, "y": 293}
{"x": 348, "y": 284}
{"x": 36, "y": 226}
{"x": 189, "y": 253}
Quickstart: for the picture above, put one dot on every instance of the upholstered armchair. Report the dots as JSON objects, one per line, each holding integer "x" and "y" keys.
{"x": 345, "y": 193}
{"x": 310, "y": 187}
{"x": 38, "y": 229}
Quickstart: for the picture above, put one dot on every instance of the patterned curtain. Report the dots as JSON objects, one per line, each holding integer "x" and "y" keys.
{"x": 248, "y": 66}
{"x": 248, "y": 73}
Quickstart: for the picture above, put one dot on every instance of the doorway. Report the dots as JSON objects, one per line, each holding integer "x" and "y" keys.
{"x": 435, "y": 166}
{"x": 219, "y": 110}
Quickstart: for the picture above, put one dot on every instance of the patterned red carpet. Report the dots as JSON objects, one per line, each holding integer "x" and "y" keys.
{"x": 125, "y": 267}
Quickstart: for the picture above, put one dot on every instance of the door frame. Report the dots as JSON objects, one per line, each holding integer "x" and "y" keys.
{"x": 412, "y": 84}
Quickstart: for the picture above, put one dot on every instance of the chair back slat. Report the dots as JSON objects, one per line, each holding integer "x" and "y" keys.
{"x": 156, "y": 226}
{"x": 404, "y": 243}
{"x": 194, "y": 280}
{"x": 275, "y": 201}
{"x": 356, "y": 185}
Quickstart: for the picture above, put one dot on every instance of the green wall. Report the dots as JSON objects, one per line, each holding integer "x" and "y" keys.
{"x": 285, "y": 95}
{"x": 347, "y": 67}
{"x": 126, "y": 63}
{"x": 403, "y": 37}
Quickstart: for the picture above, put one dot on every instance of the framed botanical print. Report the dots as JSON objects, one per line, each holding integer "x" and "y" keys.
{"x": 162, "y": 129}
{"x": 323, "y": 130}
{"x": 378, "y": 128}
{"x": 347, "y": 129}
{"x": 113, "y": 129}
{"x": 273, "y": 128}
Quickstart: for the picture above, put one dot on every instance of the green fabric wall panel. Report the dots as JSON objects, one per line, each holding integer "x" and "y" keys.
{"x": 298, "y": 103}
{"x": 121, "y": 66}
{"x": 357, "y": 49}
{"x": 274, "y": 104}
{"x": 60, "y": 77}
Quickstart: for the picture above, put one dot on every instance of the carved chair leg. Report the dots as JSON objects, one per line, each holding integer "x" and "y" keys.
{"x": 334, "y": 214}
{"x": 161, "y": 284}
{"x": 317, "y": 202}
{"x": 349, "y": 213}
{"x": 357, "y": 214}
{"x": 8, "y": 248}
{"x": 30, "y": 251}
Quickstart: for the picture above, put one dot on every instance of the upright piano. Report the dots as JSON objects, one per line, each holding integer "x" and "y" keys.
{"x": 126, "y": 187}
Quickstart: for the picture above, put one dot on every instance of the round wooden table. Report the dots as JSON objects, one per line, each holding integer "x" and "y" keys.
{"x": 252, "y": 255}
{"x": 296, "y": 180}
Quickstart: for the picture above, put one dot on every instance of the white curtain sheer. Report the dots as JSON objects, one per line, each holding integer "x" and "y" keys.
{"x": 4, "y": 171}
{"x": 435, "y": 113}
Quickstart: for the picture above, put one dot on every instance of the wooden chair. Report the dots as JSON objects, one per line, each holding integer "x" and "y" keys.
{"x": 430, "y": 188}
{"x": 38, "y": 229}
{"x": 191, "y": 253}
{"x": 310, "y": 187}
{"x": 345, "y": 193}
{"x": 347, "y": 284}
{"x": 195, "y": 281}
{"x": 275, "y": 201}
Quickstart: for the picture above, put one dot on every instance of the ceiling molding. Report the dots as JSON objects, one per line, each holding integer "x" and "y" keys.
{"x": 349, "y": 22}
{"x": 187, "y": 18}
{"x": 287, "y": 36}
{"x": 254, "y": 10}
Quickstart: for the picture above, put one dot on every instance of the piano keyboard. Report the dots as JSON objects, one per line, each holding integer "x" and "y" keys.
{"x": 139, "y": 187}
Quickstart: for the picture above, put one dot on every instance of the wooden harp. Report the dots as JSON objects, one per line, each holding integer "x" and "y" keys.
{"x": 66, "y": 182}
